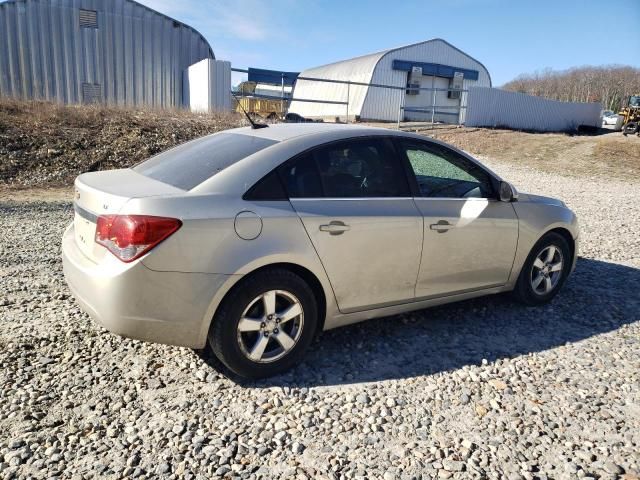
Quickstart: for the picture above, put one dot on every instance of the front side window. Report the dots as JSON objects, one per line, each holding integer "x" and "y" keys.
{"x": 351, "y": 169}
{"x": 443, "y": 173}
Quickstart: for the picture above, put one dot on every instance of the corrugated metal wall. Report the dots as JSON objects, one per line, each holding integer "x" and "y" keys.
{"x": 491, "y": 107}
{"x": 375, "y": 103}
{"x": 358, "y": 69}
{"x": 135, "y": 56}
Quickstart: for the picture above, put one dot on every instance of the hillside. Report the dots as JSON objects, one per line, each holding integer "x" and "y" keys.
{"x": 46, "y": 144}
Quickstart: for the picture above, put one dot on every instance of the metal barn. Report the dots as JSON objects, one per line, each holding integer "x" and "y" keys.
{"x": 82, "y": 51}
{"x": 429, "y": 81}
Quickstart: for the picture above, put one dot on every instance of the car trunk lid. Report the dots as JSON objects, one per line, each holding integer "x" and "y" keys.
{"x": 101, "y": 193}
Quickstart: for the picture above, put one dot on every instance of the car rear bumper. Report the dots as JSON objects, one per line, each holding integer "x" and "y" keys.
{"x": 131, "y": 300}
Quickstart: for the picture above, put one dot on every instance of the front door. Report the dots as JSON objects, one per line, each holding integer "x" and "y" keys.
{"x": 470, "y": 238}
{"x": 354, "y": 201}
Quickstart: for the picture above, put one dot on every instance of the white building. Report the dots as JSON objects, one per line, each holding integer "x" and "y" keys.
{"x": 434, "y": 64}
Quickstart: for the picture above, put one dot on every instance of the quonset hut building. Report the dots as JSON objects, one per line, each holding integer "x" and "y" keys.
{"x": 431, "y": 64}
{"x": 108, "y": 51}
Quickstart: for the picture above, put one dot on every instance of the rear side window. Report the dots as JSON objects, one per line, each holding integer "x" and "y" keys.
{"x": 269, "y": 188}
{"x": 362, "y": 168}
{"x": 301, "y": 178}
{"x": 191, "y": 163}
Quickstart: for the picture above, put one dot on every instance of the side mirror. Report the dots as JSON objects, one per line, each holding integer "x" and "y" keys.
{"x": 508, "y": 192}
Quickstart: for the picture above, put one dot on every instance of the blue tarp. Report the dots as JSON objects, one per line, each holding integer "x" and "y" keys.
{"x": 274, "y": 77}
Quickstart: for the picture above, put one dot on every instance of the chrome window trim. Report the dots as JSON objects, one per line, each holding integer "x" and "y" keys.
{"x": 333, "y": 199}
{"x": 477, "y": 199}
{"x": 457, "y": 199}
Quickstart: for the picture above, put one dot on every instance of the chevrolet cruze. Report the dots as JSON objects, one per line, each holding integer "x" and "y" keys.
{"x": 254, "y": 240}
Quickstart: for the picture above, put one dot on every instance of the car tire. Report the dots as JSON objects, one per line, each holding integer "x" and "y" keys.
{"x": 234, "y": 339}
{"x": 536, "y": 285}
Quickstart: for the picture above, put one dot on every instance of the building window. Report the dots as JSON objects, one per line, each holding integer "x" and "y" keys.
{"x": 88, "y": 19}
{"x": 91, "y": 93}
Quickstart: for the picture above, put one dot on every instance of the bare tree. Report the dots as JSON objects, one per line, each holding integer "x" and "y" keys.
{"x": 610, "y": 85}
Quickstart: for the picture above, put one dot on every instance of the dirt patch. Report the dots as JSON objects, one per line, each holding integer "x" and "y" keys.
{"x": 611, "y": 154}
{"x": 38, "y": 194}
{"x": 44, "y": 144}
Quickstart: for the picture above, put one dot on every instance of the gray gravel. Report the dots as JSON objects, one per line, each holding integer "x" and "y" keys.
{"x": 481, "y": 389}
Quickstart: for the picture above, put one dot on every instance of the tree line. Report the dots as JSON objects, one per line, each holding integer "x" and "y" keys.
{"x": 610, "y": 85}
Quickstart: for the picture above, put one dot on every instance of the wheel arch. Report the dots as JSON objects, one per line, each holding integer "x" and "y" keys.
{"x": 529, "y": 237}
{"x": 307, "y": 275}
{"x": 310, "y": 278}
{"x": 566, "y": 234}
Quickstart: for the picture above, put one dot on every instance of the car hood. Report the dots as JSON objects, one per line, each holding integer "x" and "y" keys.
{"x": 530, "y": 197}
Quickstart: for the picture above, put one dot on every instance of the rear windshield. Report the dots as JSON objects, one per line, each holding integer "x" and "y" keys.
{"x": 191, "y": 163}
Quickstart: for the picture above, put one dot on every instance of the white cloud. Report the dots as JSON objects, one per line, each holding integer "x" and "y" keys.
{"x": 247, "y": 20}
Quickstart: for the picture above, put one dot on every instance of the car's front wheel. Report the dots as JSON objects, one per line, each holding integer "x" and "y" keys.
{"x": 265, "y": 324}
{"x": 544, "y": 271}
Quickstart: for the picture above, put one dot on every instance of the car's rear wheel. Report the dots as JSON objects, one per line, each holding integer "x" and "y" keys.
{"x": 265, "y": 324}
{"x": 545, "y": 270}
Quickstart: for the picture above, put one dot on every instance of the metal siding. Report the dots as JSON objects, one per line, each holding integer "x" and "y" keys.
{"x": 376, "y": 103}
{"x": 490, "y": 107}
{"x": 220, "y": 97}
{"x": 137, "y": 55}
{"x": 356, "y": 70}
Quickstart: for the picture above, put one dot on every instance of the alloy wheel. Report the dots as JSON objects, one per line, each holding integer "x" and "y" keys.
{"x": 547, "y": 270}
{"x": 270, "y": 326}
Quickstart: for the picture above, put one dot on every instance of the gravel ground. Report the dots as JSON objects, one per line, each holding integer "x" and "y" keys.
{"x": 480, "y": 389}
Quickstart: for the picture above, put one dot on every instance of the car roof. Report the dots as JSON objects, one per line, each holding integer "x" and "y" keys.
{"x": 286, "y": 131}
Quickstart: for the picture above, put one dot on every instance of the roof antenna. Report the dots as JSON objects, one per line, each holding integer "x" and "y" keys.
{"x": 254, "y": 125}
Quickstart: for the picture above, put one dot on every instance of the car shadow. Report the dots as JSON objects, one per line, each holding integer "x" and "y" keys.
{"x": 599, "y": 297}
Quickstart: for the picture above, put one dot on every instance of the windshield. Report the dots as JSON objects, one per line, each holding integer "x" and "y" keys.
{"x": 188, "y": 165}
{"x": 634, "y": 101}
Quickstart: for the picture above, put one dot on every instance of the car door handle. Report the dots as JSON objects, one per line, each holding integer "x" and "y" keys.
{"x": 335, "y": 228}
{"x": 441, "y": 227}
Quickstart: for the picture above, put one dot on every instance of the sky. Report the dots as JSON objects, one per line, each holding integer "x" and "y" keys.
{"x": 509, "y": 37}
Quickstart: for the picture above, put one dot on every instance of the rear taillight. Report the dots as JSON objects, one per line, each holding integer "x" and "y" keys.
{"x": 130, "y": 236}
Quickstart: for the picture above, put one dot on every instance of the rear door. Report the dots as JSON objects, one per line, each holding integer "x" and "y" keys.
{"x": 470, "y": 237}
{"x": 355, "y": 203}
